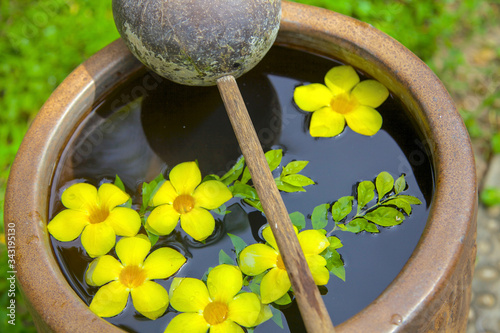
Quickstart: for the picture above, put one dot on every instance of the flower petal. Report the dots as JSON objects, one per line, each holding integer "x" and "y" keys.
{"x": 268, "y": 235}
{"x": 211, "y": 194}
{"x": 312, "y": 97}
{"x": 150, "y": 299}
{"x": 364, "y": 120}
{"x": 312, "y": 242}
{"x": 341, "y": 79}
{"x": 264, "y": 315}
{"x": 256, "y": 258}
{"x": 274, "y": 285}
{"x": 166, "y": 194}
{"x": 81, "y": 196}
{"x": 198, "y": 223}
{"x": 163, "y": 262}
{"x": 320, "y": 273}
{"x": 326, "y": 123}
{"x": 188, "y": 295}
{"x": 185, "y": 177}
{"x": 244, "y": 309}
{"x": 68, "y": 225}
{"x": 125, "y": 221}
{"x": 223, "y": 282}
{"x": 103, "y": 270}
{"x": 370, "y": 93}
{"x": 109, "y": 300}
{"x": 227, "y": 326}
{"x": 111, "y": 196}
{"x": 162, "y": 220}
{"x": 98, "y": 239}
{"x": 187, "y": 323}
{"x": 132, "y": 250}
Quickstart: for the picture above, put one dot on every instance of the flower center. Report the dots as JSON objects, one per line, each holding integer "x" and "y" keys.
{"x": 98, "y": 215}
{"x": 184, "y": 203}
{"x": 215, "y": 313}
{"x": 279, "y": 262}
{"x": 132, "y": 276}
{"x": 343, "y": 103}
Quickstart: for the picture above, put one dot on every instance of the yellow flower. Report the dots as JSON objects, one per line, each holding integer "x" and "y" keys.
{"x": 184, "y": 197}
{"x": 132, "y": 276}
{"x": 343, "y": 99}
{"x": 94, "y": 214}
{"x": 218, "y": 306}
{"x": 257, "y": 258}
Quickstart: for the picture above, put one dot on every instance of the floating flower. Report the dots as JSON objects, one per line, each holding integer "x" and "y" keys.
{"x": 218, "y": 305}
{"x": 184, "y": 197}
{"x": 257, "y": 258}
{"x": 94, "y": 214}
{"x": 343, "y": 99}
{"x": 132, "y": 276}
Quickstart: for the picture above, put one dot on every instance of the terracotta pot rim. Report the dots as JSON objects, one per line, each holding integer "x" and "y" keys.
{"x": 452, "y": 214}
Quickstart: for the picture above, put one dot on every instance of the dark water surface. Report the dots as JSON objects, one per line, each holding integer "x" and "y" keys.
{"x": 149, "y": 125}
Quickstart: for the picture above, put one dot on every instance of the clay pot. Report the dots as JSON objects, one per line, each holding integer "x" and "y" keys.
{"x": 431, "y": 293}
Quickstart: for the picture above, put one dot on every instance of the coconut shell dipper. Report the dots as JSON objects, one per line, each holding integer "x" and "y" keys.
{"x": 210, "y": 42}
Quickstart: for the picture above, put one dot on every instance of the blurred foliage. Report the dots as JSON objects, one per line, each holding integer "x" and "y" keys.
{"x": 41, "y": 42}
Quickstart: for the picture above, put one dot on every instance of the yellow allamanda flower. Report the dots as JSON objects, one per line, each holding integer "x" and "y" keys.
{"x": 257, "y": 258}
{"x": 344, "y": 99}
{"x": 217, "y": 306}
{"x": 132, "y": 275}
{"x": 94, "y": 214}
{"x": 184, "y": 196}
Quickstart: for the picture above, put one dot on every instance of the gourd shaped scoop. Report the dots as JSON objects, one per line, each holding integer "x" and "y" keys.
{"x": 210, "y": 42}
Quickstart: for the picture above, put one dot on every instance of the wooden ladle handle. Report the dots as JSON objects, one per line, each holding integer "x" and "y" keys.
{"x": 311, "y": 305}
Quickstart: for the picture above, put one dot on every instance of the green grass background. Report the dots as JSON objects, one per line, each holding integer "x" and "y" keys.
{"x": 41, "y": 42}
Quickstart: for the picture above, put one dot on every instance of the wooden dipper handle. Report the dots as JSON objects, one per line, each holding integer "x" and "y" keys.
{"x": 311, "y": 305}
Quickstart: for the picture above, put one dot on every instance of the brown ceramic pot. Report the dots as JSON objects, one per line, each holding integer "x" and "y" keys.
{"x": 431, "y": 293}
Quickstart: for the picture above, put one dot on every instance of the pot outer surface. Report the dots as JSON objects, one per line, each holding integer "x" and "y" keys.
{"x": 435, "y": 298}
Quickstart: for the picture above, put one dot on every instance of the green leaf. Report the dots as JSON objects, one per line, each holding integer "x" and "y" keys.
{"x": 490, "y": 196}
{"x": 298, "y": 220}
{"x": 294, "y": 167}
{"x": 384, "y": 183}
{"x": 224, "y": 258}
{"x": 341, "y": 208}
{"x": 277, "y": 316}
{"x": 119, "y": 183}
{"x": 238, "y": 243}
{"x": 149, "y": 190}
{"x": 244, "y": 191}
{"x": 234, "y": 172}
{"x": 221, "y": 210}
{"x": 401, "y": 204}
{"x": 319, "y": 217}
{"x": 356, "y": 225}
{"x": 400, "y": 184}
{"x": 297, "y": 180}
{"x": 495, "y": 143}
{"x": 366, "y": 192}
{"x": 335, "y": 243}
{"x": 210, "y": 177}
{"x": 246, "y": 176}
{"x": 285, "y": 187}
{"x": 371, "y": 227}
{"x": 255, "y": 204}
{"x": 273, "y": 158}
{"x": 153, "y": 238}
{"x": 284, "y": 300}
{"x": 410, "y": 199}
{"x": 334, "y": 263}
{"x": 254, "y": 285}
{"x": 385, "y": 216}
